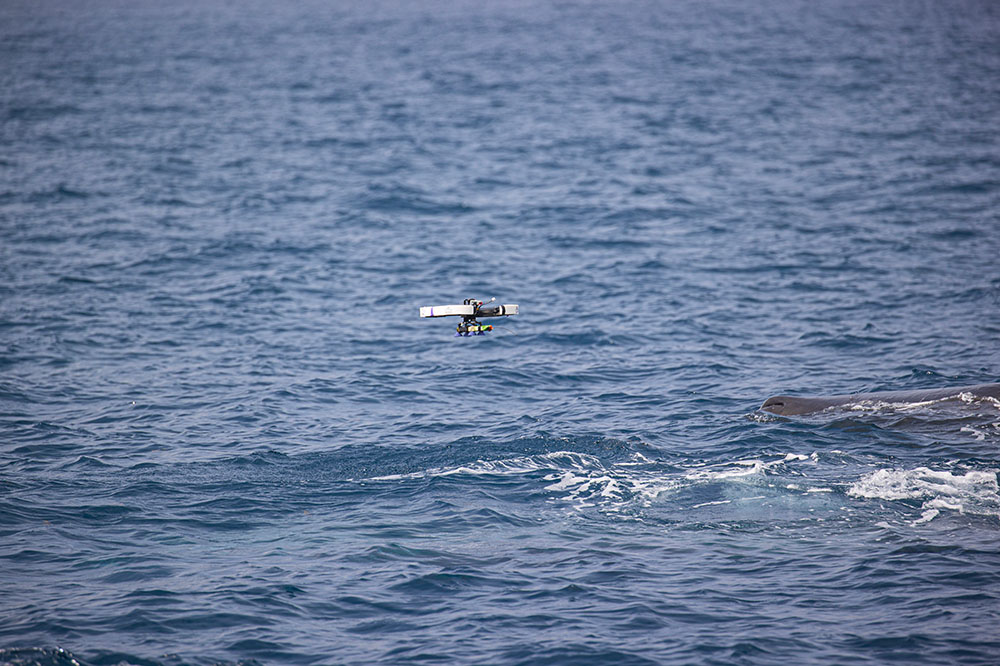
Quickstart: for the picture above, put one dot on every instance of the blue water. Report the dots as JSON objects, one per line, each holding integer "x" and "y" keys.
{"x": 227, "y": 437}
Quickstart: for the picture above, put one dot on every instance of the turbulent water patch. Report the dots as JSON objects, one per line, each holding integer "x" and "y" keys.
{"x": 974, "y": 492}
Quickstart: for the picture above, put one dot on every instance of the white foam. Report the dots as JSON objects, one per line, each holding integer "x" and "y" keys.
{"x": 984, "y": 431}
{"x": 894, "y": 484}
{"x": 884, "y": 405}
{"x": 637, "y": 459}
{"x": 698, "y": 506}
{"x": 969, "y": 398}
{"x": 583, "y": 480}
{"x": 730, "y": 470}
{"x": 577, "y": 478}
{"x": 612, "y": 490}
{"x": 744, "y": 468}
{"x": 979, "y": 434}
{"x": 975, "y": 492}
{"x": 519, "y": 465}
{"x": 876, "y": 405}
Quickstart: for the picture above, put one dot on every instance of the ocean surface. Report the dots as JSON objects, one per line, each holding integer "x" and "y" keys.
{"x": 226, "y": 437}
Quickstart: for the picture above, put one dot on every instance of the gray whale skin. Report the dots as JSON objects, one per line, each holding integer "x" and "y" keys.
{"x": 788, "y": 405}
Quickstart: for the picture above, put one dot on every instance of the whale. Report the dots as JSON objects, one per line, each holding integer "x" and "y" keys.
{"x": 788, "y": 405}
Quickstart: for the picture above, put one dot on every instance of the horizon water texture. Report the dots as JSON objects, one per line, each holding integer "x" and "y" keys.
{"x": 226, "y": 437}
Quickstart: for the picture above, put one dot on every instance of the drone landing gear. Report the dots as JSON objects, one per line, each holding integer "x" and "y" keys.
{"x": 470, "y": 326}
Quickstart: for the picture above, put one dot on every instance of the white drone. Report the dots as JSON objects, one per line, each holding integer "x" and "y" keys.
{"x": 469, "y": 311}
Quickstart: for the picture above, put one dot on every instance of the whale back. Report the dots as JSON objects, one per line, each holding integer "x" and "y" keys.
{"x": 787, "y": 405}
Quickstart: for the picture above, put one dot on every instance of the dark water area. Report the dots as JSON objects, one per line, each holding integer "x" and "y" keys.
{"x": 227, "y": 437}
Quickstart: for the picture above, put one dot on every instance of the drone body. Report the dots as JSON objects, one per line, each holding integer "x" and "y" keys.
{"x": 469, "y": 311}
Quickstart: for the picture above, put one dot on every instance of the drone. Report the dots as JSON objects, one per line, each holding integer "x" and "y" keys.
{"x": 469, "y": 311}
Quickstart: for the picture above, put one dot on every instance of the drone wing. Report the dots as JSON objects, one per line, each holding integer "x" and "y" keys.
{"x": 497, "y": 310}
{"x": 447, "y": 310}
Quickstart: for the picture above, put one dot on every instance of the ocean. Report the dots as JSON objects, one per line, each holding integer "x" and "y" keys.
{"x": 227, "y": 437}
